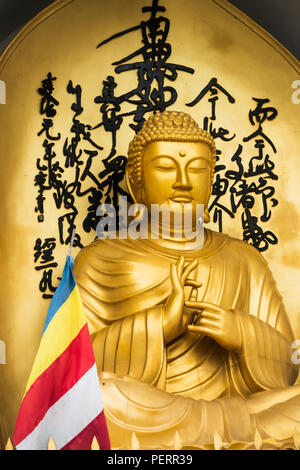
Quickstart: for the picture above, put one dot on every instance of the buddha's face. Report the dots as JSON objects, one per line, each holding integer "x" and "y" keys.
{"x": 176, "y": 172}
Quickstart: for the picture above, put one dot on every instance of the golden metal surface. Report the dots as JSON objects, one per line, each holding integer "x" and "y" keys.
{"x": 216, "y": 40}
{"x": 162, "y": 373}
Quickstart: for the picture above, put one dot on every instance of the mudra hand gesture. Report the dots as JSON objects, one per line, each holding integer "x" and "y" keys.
{"x": 177, "y": 316}
{"x": 220, "y": 324}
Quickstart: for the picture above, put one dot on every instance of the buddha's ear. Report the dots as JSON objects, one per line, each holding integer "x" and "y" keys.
{"x": 133, "y": 191}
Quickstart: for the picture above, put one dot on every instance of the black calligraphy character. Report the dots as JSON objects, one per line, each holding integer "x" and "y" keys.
{"x": 214, "y": 89}
{"x": 77, "y": 91}
{"x": 44, "y": 253}
{"x": 153, "y": 70}
{"x": 219, "y": 189}
{"x": 260, "y": 164}
{"x": 48, "y": 172}
{"x": 46, "y": 284}
{"x": 255, "y": 234}
{"x": 46, "y": 126}
{"x": 111, "y": 120}
{"x": 48, "y": 102}
{"x": 259, "y": 115}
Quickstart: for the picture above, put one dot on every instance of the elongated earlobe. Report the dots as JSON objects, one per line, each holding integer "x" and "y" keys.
{"x": 130, "y": 186}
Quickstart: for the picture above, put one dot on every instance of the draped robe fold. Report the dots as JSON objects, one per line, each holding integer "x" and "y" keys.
{"x": 125, "y": 283}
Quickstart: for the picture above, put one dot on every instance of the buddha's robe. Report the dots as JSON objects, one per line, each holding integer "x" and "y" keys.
{"x": 125, "y": 283}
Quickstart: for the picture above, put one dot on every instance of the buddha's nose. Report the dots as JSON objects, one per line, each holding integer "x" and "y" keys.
{"x": 182, "y": 183}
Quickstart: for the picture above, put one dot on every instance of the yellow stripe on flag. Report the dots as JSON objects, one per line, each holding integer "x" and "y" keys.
{"x": 63, "y": 328}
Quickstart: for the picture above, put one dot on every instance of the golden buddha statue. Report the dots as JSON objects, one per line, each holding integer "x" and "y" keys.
{"x": 188, "y": 342}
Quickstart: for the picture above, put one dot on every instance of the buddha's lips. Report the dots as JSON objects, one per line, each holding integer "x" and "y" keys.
{"x": 181, "y": 198}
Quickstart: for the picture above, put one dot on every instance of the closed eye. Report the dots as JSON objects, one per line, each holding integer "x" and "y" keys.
{"x": 165, "y": 168}
{"x": 164, "y": 163}
{"x": 197, "y": 170}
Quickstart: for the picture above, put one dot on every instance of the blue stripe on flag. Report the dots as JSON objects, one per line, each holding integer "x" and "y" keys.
{"x": 63, "y": 291}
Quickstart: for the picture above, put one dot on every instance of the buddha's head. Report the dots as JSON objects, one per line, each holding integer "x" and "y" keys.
{"x": 171, "y": 160}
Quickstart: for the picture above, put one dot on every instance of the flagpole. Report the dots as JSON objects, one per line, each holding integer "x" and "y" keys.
{"x": 72, "y": 241}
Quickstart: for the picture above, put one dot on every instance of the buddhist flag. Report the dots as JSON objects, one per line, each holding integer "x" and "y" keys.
{"x": 63, "y": 396}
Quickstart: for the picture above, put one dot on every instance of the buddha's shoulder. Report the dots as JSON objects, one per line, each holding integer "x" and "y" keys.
{"x": 232, "y": 245}
{"x": 107, "y": 250}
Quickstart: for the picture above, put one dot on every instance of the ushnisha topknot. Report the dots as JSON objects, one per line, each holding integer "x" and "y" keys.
{"x": 171, "y": 126}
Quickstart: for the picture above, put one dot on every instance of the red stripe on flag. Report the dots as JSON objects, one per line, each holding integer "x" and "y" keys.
{"x": 54, "y": 382}
{"x": 83, "y": 440}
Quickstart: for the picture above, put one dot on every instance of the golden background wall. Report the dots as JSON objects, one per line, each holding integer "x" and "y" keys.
{"x": 208, "y": 36}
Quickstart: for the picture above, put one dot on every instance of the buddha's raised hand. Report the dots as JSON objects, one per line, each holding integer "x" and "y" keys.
{"x": 177, "y": 317}
{"x": 220, "y": 324}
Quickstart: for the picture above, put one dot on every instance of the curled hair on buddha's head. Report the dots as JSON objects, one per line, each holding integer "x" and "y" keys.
{"x": 170, "y": 126}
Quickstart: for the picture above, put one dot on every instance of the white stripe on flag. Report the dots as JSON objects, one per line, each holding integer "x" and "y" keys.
{"x": 69, "y": 415}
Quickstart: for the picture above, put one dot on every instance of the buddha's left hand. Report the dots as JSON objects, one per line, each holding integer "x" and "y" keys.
{"x": 220, "y": 324}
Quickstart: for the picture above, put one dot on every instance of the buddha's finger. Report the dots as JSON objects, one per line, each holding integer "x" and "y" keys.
{"x": 188, "y": 269}
{"x": 212, "y": 332}
{"x": 180, "y": 265}
{"x": 208, "y": 322}
{"x": 190, "y": 266}
{"x": 174, "y": 277}
{"x": 192, "y": 283}
{"x": 203, "y": 306}
{"x": 202, "y": 315}
{"x": 194, "y": 293}
{"x": 210, "y": 315}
